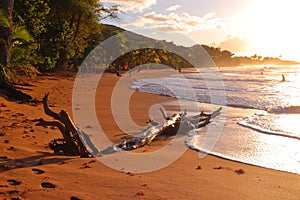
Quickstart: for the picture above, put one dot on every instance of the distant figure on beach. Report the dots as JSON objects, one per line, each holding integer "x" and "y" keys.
{"x": 117, "y": 73}
{"x": 283, "y": 78}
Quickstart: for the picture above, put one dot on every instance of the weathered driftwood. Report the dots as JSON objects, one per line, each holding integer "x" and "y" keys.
{"x": 177, "y": 123}
{"x": 76, "y": 142}
{"x": 71, "y": 143}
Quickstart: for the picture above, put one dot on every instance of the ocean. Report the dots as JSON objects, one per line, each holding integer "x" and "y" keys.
{"x": 270, "y": 138}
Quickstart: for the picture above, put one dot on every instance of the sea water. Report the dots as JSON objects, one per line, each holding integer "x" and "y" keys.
{"x": 271, "y": 137}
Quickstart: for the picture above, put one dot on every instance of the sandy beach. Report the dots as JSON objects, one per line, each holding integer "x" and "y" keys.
{"x": 30, "y": 170}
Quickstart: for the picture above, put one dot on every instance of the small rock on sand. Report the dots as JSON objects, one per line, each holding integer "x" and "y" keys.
{"x": 140, "y": 193}
{"x": 199, "y": 167}
{"x": 239, "y": 171}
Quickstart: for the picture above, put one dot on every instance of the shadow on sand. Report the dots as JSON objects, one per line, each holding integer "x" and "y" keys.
{"x": 44, "y": 158}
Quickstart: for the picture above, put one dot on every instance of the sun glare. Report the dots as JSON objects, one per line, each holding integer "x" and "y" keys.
{"x": 272, "y": 27}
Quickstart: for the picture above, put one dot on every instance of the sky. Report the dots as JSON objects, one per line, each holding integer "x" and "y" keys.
{"x": 245, "y": 27}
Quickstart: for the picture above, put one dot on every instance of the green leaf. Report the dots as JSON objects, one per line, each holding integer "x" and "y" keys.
{"x": 20, "y": 34}
{"x": 4, "y": 22}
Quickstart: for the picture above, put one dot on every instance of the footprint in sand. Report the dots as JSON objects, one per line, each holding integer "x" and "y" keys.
{"x": 37, "y": 171}
{"x": 15, "y": 198}
{"x": 11, "y": 149}
{"x": 48, "y": 185}
{"x": 74, "y": 198}
{"x": 5, "y": 158}
{"x": 13, "y": 125}
{"x": 3, "y": 186}
{"x": 2, "y": 105}
{"x": 13, "y": 192}
{"x": 14, "y": 182}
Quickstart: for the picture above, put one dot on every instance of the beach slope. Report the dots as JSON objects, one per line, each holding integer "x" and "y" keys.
{"x": 30, "y": 170}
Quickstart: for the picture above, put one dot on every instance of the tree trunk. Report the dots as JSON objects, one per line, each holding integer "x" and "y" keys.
{"x": 62, "y": 62}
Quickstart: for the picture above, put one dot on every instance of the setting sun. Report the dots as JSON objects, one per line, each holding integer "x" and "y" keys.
{"x": 272, "y": 29}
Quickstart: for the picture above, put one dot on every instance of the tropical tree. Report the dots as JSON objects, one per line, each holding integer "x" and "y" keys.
{"x": 30, "y": 19}
{"x": 6, "y": 7}
{"x": 63, "y": 31}
{"x": 72, "y": 26}
{"x": 22, "y": 55}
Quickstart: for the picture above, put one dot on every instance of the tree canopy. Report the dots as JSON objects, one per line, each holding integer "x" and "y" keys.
{"x": 49, "y": 35}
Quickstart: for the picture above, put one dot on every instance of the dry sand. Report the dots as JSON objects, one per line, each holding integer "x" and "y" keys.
{"x": 26, "y": 162}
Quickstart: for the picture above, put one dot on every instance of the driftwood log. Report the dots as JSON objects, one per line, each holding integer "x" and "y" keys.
{"x": 76, "y": 142}
{"x": 175, "y": 124}
{"x": 71, "y": 143}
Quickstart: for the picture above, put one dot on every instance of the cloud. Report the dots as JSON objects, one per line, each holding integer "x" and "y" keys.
{"x": 180, "y": 22}
{"x": 209, "y": 15}
{"x": 235, "y": 44}
{"x": 134, "y": 5}
{"x": 173, "y": 8}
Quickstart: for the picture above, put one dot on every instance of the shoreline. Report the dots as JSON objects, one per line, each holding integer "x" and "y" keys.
{"x": 236, "y": 112}
{"x": 180, "y": 180}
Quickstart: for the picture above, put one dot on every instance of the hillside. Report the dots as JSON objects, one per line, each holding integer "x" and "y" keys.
{"x": 198, "y": 53}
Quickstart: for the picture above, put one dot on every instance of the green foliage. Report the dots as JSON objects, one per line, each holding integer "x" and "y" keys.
{"x": 28, "y": 17}
{"x": 63, "y": 31}
{"x": 150, "y": 56}
{"x": 21, "y": 35}
{"x": 33, "y": 14}
{"x": 23, "y": 57}
{"x": 70, "y": 25}
{"x": 4, "y": 22}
